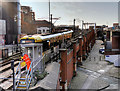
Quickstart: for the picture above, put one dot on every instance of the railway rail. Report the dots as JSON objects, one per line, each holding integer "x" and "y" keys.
{"x": 5, "y": 66}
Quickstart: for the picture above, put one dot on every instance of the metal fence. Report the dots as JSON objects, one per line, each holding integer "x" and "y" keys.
{"x": 39, "y": 64}
{"x": 9, "y": 51}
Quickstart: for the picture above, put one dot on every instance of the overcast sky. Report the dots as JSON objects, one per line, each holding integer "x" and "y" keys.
{"x": 96, "y": 12}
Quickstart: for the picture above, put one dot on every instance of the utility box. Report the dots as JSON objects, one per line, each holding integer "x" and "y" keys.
{"x": 2, "y": 27}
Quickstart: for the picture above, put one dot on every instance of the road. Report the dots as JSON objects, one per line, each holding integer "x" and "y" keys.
{"x": 96, "y": 73}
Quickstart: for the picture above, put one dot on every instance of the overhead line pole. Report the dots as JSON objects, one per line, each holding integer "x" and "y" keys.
{"x": 51, "y": 23}
{"x": 74, "y": 28}
{"x": 49, "y": 17}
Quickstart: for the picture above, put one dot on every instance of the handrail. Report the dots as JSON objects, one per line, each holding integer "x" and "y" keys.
{"x": 18, "y": 75}
{"x": 17, "y": 68}
{"x": 29, "y": 71}
{"x": 39, "y": 59}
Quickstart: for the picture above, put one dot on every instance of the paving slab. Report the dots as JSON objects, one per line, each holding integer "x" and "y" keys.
{"x": 78, "y": 81}
{"x": 50, "y": 81}
{"x": 99, "y": 84}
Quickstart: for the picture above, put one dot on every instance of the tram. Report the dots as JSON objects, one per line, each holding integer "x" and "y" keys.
{"x": 51, "y": 43}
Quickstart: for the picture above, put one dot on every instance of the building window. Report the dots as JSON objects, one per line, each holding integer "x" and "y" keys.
{"x": 39, "y": 31}
{"x": 48, "y": 31}
{"x": 43, "y": 31}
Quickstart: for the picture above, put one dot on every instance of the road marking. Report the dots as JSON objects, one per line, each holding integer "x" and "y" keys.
{"x": 93, "y": 76}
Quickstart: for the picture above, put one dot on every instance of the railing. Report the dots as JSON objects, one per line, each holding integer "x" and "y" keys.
{"x": 40, "y": 62}
{"x": 29, "y": 75}
{"x": 37, "y": 64}
{"x": 9, "y": 51}
{"x": 28, "y": 78}
{"x": 18, "y": 75}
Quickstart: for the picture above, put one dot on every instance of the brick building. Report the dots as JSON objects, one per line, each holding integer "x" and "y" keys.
{"x": 42, "y": 26}
{"x": 116, "y": 25}
{"x": 28, "y": 22}
{"x": 112, "y": 47}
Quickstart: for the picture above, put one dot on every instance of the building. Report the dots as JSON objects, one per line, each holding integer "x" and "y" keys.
{"x": 112, "y": 47}
{"x": 27, "y": 20}
{"x": 116, "y": 25}
{"x": 10, "y": 15}
{"x": 43, "y": 26}
{"x": 43, "y": 30}
{"x": 32, "y": 26}
{"x": 119, "y": 11}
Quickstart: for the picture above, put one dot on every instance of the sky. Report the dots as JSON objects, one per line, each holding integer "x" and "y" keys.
{"x": 101, "y": 13}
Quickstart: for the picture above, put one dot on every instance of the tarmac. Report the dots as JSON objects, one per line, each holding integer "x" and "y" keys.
{"x": 96, "y": 73}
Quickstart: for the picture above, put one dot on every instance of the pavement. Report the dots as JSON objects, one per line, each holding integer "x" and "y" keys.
{"x": 50, "y": 81}
{"x": 96, "y": 73}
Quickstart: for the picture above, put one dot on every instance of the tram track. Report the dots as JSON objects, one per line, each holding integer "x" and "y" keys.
{"x": 6, "y": 72}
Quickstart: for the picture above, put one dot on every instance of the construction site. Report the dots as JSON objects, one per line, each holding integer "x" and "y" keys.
{"x": 39, "y": 55}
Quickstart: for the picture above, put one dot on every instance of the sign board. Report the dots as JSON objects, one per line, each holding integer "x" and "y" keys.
{"x": 2, "y": 27}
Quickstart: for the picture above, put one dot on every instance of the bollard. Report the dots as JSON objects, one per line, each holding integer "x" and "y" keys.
{"x": 89, "y": 58}
{"x": 94, "y": 58}
{"x": 99, "y": 58}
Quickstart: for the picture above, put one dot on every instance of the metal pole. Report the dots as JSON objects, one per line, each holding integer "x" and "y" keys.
{"x": 12, "y": 67}
{"x": 49, "y": 16}
{"x": 51, "y": 23}
{"x": 82, "y": 24}
{"x": 73, "y": 27}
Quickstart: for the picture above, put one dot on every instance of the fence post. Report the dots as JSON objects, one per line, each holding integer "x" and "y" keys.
{"x": 20, "y": 69}
{"x": 32, "y": 71}
{"x": 63, "y": 53}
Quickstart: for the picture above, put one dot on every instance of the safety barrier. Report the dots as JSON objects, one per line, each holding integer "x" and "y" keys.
{"x": 9, "y": 51}
{"x": 17, "y": 75}
{"x": 38, "y": 64}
